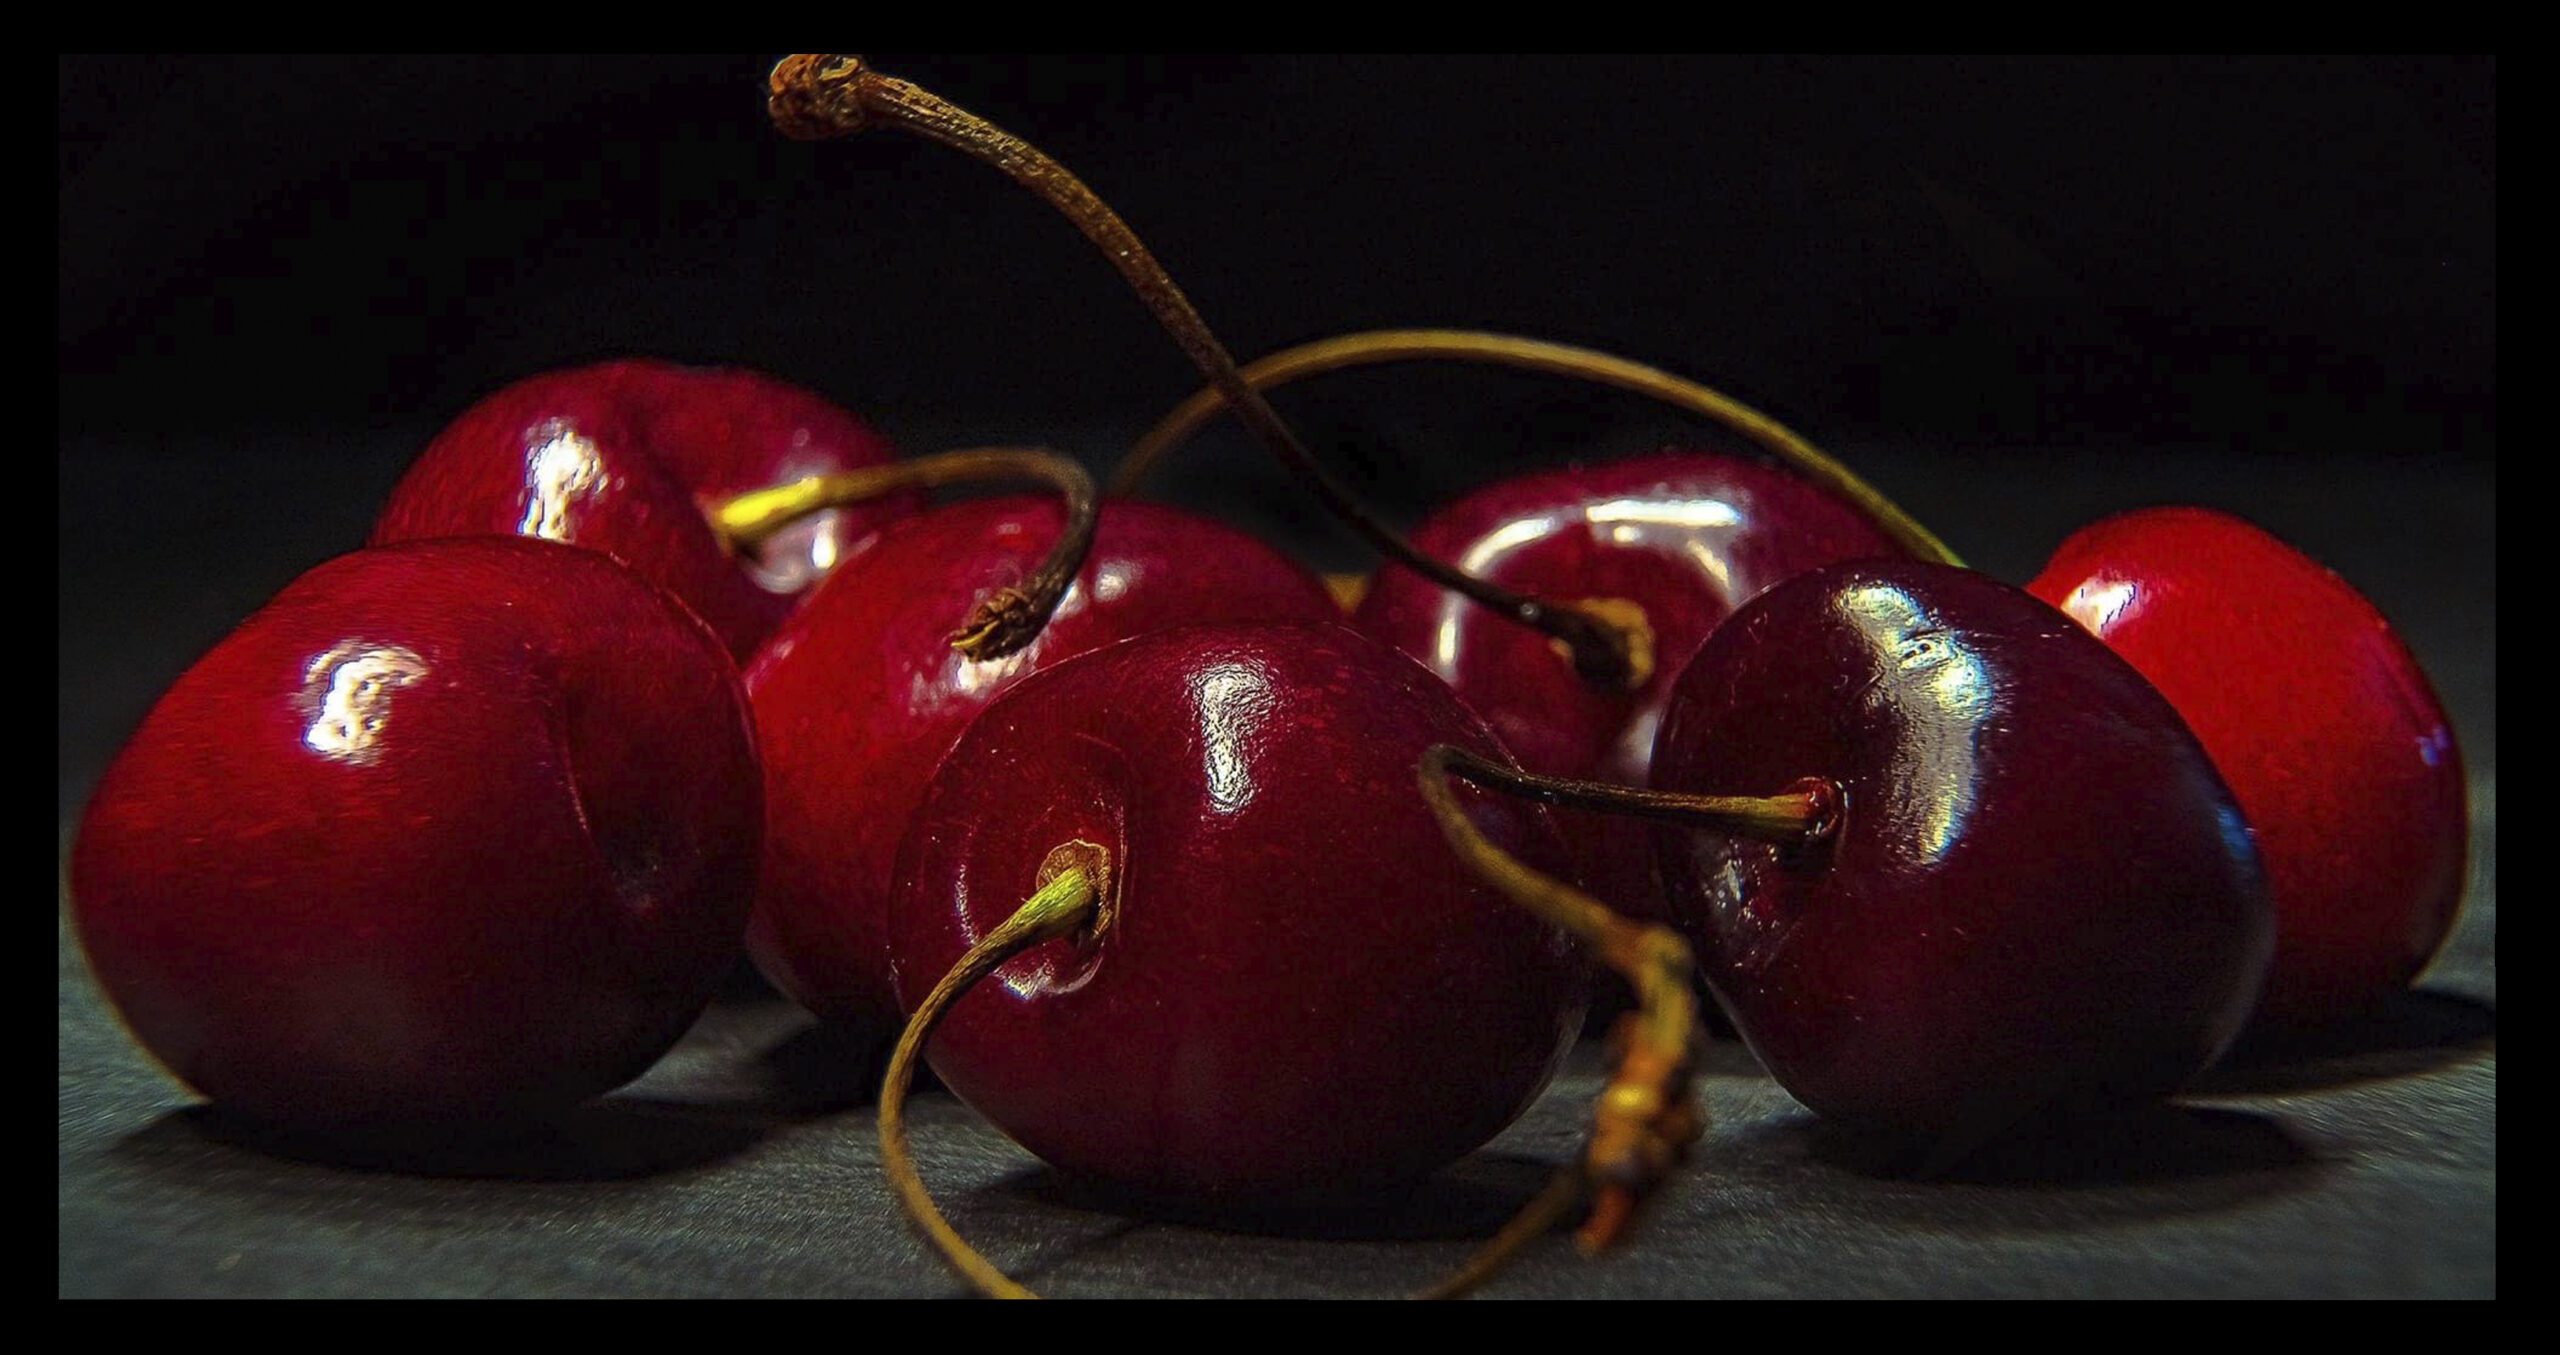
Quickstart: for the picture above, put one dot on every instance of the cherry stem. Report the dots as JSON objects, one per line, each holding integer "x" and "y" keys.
{"x": 1550, "y": 1206}
{"x": 1067, "y": 902}
{"x": 1375, "y": 348}
{"x": 817, "y": 96}
{"x": 1646, "y": 1116}
{"x": 1073, "y": 900}
{"x": 1804, "y": 812}
{"x": 1001, "y": 622}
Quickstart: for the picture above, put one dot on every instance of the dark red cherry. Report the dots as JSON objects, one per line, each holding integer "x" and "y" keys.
{"x": 2037, "y": 892}
{"x": 1685, "y": 536}
{"x": 1298, "y": 990}
{"x": 2320, "y": 720}
{"x": 623, "y": 457}
{"x": 459, "y": 829}
{"x": 860, "y": 694}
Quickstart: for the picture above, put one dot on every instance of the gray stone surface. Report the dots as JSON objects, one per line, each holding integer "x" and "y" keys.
{"x": 745, "y": 1165}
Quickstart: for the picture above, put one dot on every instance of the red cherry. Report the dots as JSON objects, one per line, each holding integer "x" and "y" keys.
{"x": 2320, "y": 720}
{"x": 1296, "y": 988}
{"x": 2036, "y": 893}
{"x": 455, "y": 829}
{"x": 859, "y": 694}
{"x": 1685, "y": 536}
{"x": 622, "y": 457}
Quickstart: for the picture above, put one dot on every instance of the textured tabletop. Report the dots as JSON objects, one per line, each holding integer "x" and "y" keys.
{"x": 745, "y": 1165}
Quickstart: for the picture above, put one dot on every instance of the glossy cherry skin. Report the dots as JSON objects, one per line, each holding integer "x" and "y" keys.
{"x": 1687, "y": 536}
{"x": 1301, "y": 992}
{"x": 2038, "y": 894}
{"x": 2320, "y": 720}
{"x": 860, "y": 694}
{"x": 623, "y": 457}
{"x": 452, "y": 830}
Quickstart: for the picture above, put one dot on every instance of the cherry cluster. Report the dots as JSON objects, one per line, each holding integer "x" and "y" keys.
{"x": 645, "y": 664}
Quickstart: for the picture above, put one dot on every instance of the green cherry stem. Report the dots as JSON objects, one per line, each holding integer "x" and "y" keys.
{"x": 815, "y": 96}
{"x": 1343, "y": 352}
{"x": 1001, "y": 622}
{"x": 1067, "y": 902}
{"x": 1647, "y": 1115}
{"x": 1073, "y": 899}
{"x": 1806, "y": 811}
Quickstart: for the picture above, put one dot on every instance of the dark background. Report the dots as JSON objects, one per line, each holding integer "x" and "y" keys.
{"x": 2281, "y": 256}
{"x": 2264, "y": 284}
{"x": 2018, "y": 294}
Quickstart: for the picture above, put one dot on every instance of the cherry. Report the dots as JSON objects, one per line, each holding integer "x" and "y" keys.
{"x": 627, "y": 458}
{"x": 1291, "y": 987}
{"x": 2029, "y": 888}
{"x": 860, "y": 693}
{"x": 1679, "y": 539}
{"x": 460, "y": 829}
{"x": 2320, "y": 720}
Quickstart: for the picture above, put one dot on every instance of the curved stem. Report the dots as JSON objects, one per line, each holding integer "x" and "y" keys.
{"x": 1642, "y": 1124}
{"x": 815, "y": 96}
{"x": 1002, "y": 621}
{"x": 1378, "y": 347}
{"x": 1068, "y": 901}
{"x": 1545, "y": 1210}
{"x": 1646, "y": 1117}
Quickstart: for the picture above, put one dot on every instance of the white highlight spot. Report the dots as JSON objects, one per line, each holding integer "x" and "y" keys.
{"x": 2097, "y": 603}
{"x": 1480, "y": 558}
{"x": 1665, "y": 513}
{"x": 560, "y": 463}
{"x": 1232, "y": 699}
{"x": 346, "y": 693}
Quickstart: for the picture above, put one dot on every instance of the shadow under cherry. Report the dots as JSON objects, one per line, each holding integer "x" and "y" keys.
{"x": 2415, "y": 1032}
{"x": 1468, "y": 1200}
{"x": 2130, "y": 1164}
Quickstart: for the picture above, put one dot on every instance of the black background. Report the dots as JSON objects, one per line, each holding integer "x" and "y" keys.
{"x": 2018, "y": 294}
{"x": 2281, "y": 256}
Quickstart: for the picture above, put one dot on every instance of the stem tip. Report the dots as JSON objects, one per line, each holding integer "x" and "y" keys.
{"x": 816, "y": 96}
{"x": 1002, "y": 622}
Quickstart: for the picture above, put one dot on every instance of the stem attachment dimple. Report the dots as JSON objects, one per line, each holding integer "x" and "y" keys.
{"x": 1344, "y": 352}
{"x": 813, "y": 96}
{"x": 1076, "y": 874}
{"x": 1646, "y": 1117}
{"x": 999, "y": 623}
